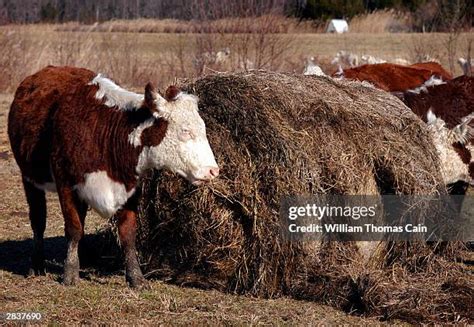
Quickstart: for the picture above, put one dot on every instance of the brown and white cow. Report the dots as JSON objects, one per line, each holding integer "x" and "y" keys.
{"x": 448, "y": 109}
{"x": 395, "y": 78}
{"x": 80, "y": 134}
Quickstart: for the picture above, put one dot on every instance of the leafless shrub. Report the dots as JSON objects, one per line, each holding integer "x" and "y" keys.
{"x": 255, "y": 41}
{"x": 176, "y": 63}
{"x": 467, "y": 66}
{"x": 422, "y": 49}
{"x": 23, "y": 55}
{"x": 452, "y": 14}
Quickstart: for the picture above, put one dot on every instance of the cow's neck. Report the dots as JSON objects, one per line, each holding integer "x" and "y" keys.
{"x": 121, "y": 156}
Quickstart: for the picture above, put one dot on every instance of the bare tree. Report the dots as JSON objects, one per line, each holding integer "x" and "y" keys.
{"x": 452, "y": 18}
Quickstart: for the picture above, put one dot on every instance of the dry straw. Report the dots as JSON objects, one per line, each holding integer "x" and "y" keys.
{"x": 276, "y": 135}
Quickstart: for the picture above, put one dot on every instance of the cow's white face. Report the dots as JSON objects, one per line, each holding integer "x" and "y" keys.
{"x": 453, "y": 169}
{"x": 184, "y": 149}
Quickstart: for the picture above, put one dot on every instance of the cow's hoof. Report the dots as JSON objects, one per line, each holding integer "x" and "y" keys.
{"x": 37, "y": 266}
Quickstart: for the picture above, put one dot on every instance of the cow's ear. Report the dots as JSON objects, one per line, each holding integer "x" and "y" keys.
{"x": 463, "y": 132}
{"x": 150, "y": 96}
{"x": 153, "y": 101}
{"x": 172, "y": 93}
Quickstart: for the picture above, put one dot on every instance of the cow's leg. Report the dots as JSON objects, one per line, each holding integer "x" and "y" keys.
{"x": 127, "y": 228}
{"x": 74, "y": 212}
{"x": 37, "y": 204}
{"x": 127, "y": 224}
{"x": 84, "y": 251}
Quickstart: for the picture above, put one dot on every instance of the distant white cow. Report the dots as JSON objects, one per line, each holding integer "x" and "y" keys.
{"x": 428, "y": 58}
{"x": 205, "y": 59}
{"x": 466, "y": 66}
{"x": 312, "y": 68}
{"x": 371, "y": 60}
{"x": 345, "y": 58}
{"x": 339, "y": 74}
{"x": 401, "y": 61}
{"x": 222, "y": 56}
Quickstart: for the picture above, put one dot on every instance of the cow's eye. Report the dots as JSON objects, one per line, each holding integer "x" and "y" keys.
{"x": 185, "y": 135}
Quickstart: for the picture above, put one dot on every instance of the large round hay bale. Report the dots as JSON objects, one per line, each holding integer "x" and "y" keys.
{"x": 275, "y": 135}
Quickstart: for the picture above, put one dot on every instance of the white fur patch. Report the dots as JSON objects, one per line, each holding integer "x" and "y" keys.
{"x": 430, "y": 117}
{"x": 431, "y": 82}
{"x": 134, "y": 138}
{"x": 114, "y": 95}
{"x": 144, "y": 161}
{"x": 102, "y": 193}
{"x": 452, "y": 167}
{"x": 465, "y": 65}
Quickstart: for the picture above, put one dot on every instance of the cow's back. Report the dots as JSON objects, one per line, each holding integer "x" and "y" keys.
{"x": 390, "y": 77}
{"x": 435, "y": 68}
{"x": 30, "y": 121}
{"x": 451, "y": 101}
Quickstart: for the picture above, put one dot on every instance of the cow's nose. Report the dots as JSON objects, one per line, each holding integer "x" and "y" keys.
{"x": 206, "y": 174}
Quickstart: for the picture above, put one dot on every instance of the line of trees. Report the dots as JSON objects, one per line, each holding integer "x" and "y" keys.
{"x": 31, "y": 11}
{"x": 88, "y": 11}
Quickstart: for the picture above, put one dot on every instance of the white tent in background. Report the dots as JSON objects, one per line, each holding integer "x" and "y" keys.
{"x": 337, "y": 26}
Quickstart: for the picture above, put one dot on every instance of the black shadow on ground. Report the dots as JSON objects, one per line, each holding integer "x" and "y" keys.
{"x": 99, "y": 255}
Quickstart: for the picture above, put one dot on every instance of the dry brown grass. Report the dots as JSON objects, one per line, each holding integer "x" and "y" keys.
{"x": 27, "y": 50}
{"x": 133, "y": 59}
{"x": 228, "y": 25}
{"x": 381, "y": 21}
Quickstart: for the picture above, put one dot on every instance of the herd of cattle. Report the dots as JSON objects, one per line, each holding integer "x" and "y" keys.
{"x": 445, "y": 103}
{"x": 79, "y": 134}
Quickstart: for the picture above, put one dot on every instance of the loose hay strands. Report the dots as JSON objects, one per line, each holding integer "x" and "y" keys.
{"x": 276, "y": 135}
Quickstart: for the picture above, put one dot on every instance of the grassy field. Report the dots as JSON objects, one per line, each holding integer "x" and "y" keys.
{"x": 102, "y": 296}
{"x": 135, "y": 58}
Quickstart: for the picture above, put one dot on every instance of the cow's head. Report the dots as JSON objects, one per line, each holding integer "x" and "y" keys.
{"x": 175, "y": 138}
{"x": 452, "y": 146}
